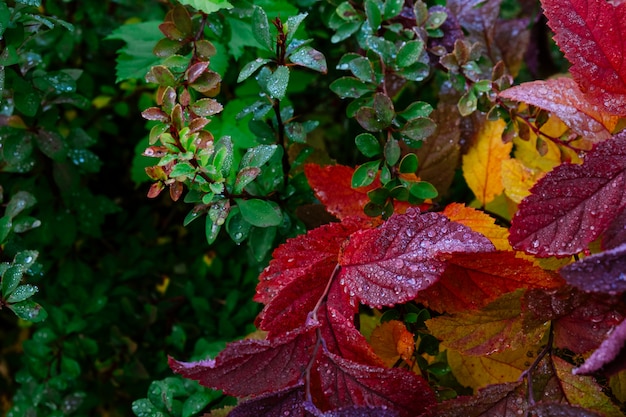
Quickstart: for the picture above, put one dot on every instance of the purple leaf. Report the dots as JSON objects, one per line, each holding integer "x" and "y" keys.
{"x": 604, "y": 272}
{"x": 615, "y": 234}
{"x": 286, "y": 402}
{"x": 606, "y": 353}
{"x": 392, "y": 263}
{"x": 573, "y": 204}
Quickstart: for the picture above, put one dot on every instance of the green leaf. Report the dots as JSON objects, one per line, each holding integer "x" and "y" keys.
{"x": 436, "y": 19}
{"x": 208, "y": 6}
{"x": 309, "y": 58}
{"x": 392, "y": 152}
{"x": 347, "y": 12}
{"x": 416, "y": 109}
{"x": 349, "y": 87}
{"x": 85, "y": 159}
{"x": 372, "y": 11}
{"x": 224, "y": 156}
{"x": 409, "y": 164}
{"x": 261, "y": 241}
{"x": 29, "y": 310}
{"x": 392, "y": 8}
{"x": 385, "y": 49}
{"x": 345, "y": 31}
{"x": 236, "y": 226}
{"x": 35, "y": 3}
{"x": 197, "y": 402}
{"x": 260, "y": 213}
{"x": 212, "y": 230}
{"x": 11, "y": 279}
{"x": 384, "y": 108}
{"x": 5, "y": 228}
{"x": 277, "y": 82}
{"x": 419, "y": 128}
{"x": 135, "y": 59}
{"x": 365, "y": 174}
{"x": 5, "y": 18}
{"x": 467, "y": 103}
{"x": 361, "y": 67}
{"x": 21, "y": 201}
{"x": 292, "y": 24}
{"x": 257, "y": 156}
{"x": 409, "y": 53}
{"x": 423, "y": 190}
{"x": 261, "y": 28}
{"x": 368, "y": 145}
{"x": 26, "y": 258}
{"x": 144, "y": 408}
{"x": 251, "y": 67}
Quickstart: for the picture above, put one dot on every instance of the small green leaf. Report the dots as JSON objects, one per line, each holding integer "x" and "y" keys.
{"x": 379, "y": 196}
{"x": 11, "y": 279}
{"x": 21, "y": 201}
{"x": 372, "y": 11}
{"x": 467, "y": 103}
{"x": 409, "y": 53}
{"x": 361, "y": 67}
{"x": 193, "y": 214}
{"x": 368, "y": 145}
{"x": 392, "y": 152}
{"x": 416, "y": 109}
{"x": 208, "y": 6}
{"x": 196, "y": 403}
{"x": 257, "y": 156}
{"x": 309, "y": 58}
{"x": 245, "y": 177}
{"x": 423, "y": 190}
{"x": 292, "y": 24}
{"x": 409, "y": 164}
{"x": 183, "y": 169}
{"x": 384, "y": 108}
{"x": 347, "y": 12}
{"x": 277, "y": 82}
{"x": 25, "y": 258}
{"x": 236, "y": 226}
{"x": 29, "y": 310}
{"x": 5, "y": 228}
{"x": 22, "y": 292}
{"x": 260, "y": 213}
{"x": 365, "y": 174}
{"x": 261, "y": 28}
{"x": 345, "y": 31}
{"x": 160, "y": 74}
{"x": 385, "y": 49}
{"x": 436, "y": 19}
{"x": 251, "y": 67}
{"x": 349, "y": 87}
{"x": 419, "y": 128}
{"x": 392, "y": 8}
{"x": 261, "y": 241}
{"x": 206, "y": 107}
{"x": 212, "y": 229}
{"x": 144, "y": 408}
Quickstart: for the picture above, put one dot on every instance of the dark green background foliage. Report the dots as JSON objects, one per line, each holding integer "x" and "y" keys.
{"x": 121, "y": 282}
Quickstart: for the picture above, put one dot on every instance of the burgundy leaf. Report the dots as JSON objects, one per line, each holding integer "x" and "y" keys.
{"x": 346, "y": 383}
{"x": 352, "y": 412}
{"x": 615, "y": 234}
{"x": 591, "y": 33}
{"x": 501, "y": 400}
{"x": 604, "y": 272}
{"x": 573, "y": 204}
{"x": 155, "y": 113}
{"x": 562, "y": 97}
{"x": 608, "y": 351}
{"x": 196, "y": 70}
{"x": 317, "y": 250}
{"x": 392, "y": 263}
{"x": 286, "y": 402}
{"x": 254, "y": 367}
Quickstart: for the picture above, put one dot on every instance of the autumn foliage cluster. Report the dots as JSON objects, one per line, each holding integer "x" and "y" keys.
{"x": 380, "y": 314}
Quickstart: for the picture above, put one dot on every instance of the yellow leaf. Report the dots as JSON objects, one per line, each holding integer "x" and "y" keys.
{"x": 482, "y": 163}
{"x": 583, "y": 390}
{"x": 526, "y": 150}
{"x": 479, "y": 222}
{"x": 518, "y": 179}
{"x": 479, "y": 371}
{"x": 391, "y": 341}
{"x": 618, "y": 385}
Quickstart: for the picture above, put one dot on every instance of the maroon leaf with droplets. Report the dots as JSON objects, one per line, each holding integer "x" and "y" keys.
{"x": 615, "y": 234}
{"x": 608, "y": 351}
{"x": 562, "y": 97}
{"x": 317, "y": 250}
{"x": 591, "y": 33}
{"x": 346, "y": 383}
{"x": 286, "y": 402}
{"x": 573, "y": 204}
{"x": 392, "y": 263}
{"x": 352, "y": 412}
{"x": 561, "y": 410}
{"x": 254, "y": 367}
{"x": 604, "y": 272}
{"x": 501, "y": 400}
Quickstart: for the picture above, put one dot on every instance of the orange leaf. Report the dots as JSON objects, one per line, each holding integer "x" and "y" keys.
{"x": 479, "y": 222}
{"x": 471, "y": 282}
{"x": 482, "y": 163}
{"x": 391, "y": 341}
{"x": 562, "y": 97}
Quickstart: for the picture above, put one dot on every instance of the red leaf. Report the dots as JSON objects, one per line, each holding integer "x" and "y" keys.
{"x": 562, "y": 97}
{"x": 253, "y": 367}
{"x": 316, "y": 251}
{"x": 604, "y": 272}
{"x": 333, "y": 187}
{"x": 349, "y": 383}
{"x": 287, "y": 402}
{"x": 573, "y": 204}
{"x": 615, "y": 234}
{"x": 591, "y": 33}
{"x": 561, "y": 410}
{"x": 392, "y": 263}
{"x": 470, "y": 282}
{"x": 608, "y": 351}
